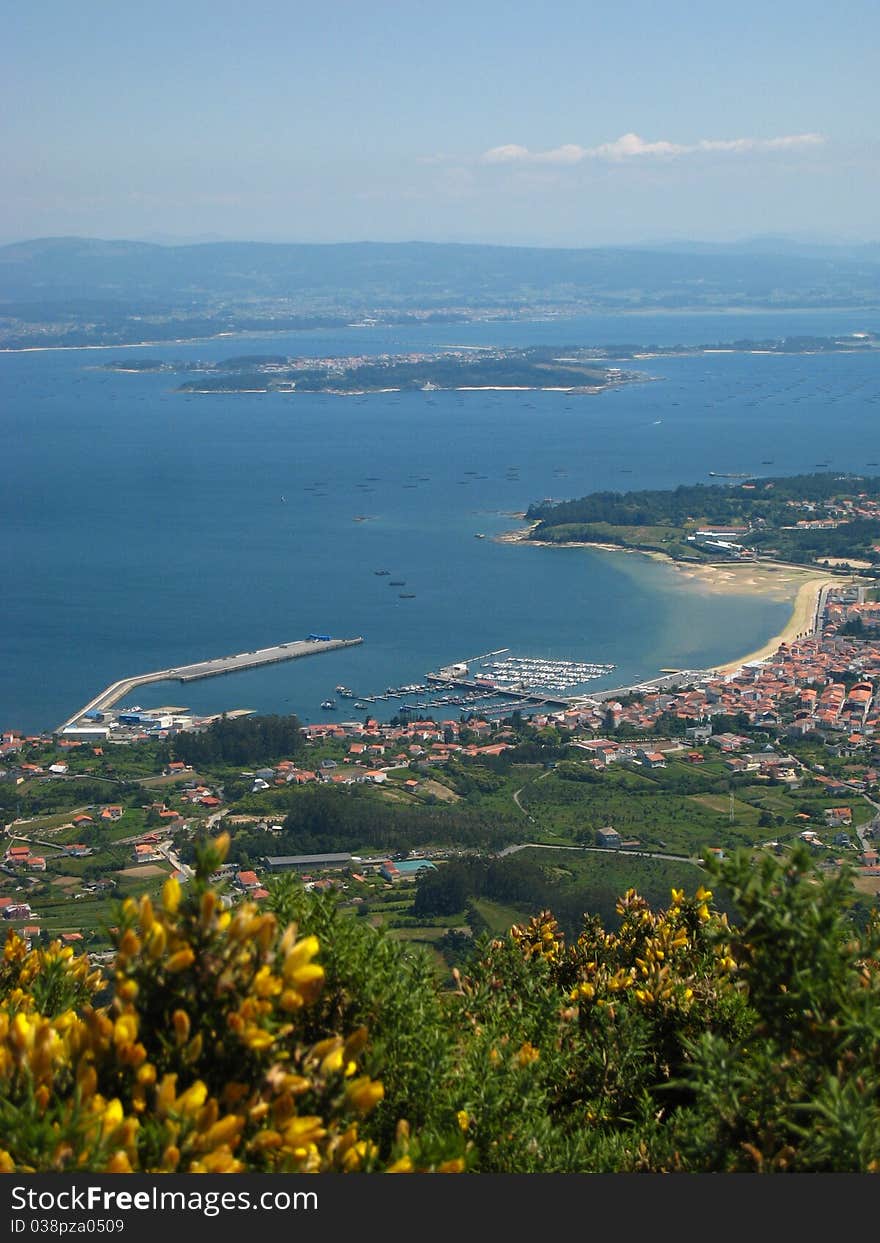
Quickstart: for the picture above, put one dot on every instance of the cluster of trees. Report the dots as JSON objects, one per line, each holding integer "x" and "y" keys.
{"x": 242, "y": 740}
{"x": 713, "y": 503}
{"x": 323, "y": 819}
{"x": 854, "y": 540}
{"x": 531, "y": 887}
{"x": 856, "y": 629}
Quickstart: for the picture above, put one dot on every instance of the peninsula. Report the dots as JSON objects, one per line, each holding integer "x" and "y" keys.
{"x": 821, "y": 519}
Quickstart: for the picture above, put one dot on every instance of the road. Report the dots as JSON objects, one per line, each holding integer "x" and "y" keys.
{"x": 599, "y": 850}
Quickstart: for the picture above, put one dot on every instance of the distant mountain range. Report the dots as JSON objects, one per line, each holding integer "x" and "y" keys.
{"x": 758, "y": 272}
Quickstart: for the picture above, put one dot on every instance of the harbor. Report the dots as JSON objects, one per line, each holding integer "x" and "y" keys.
{"x": 294, "y": 650}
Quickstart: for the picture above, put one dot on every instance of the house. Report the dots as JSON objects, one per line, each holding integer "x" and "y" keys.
{"x": 729, "y": 742}
{"x": 389, "y": 872}
{"x": 37, "y": 863}
{"x": 652, "y": 759}
{"x": 248, "y": 880}
{"x": 609, "y": 838}
{"x": 18, "y": 910}
{"x": 835, "y": 816}
{"x": 78, "y": 850}
{"x": 145, "y": 852}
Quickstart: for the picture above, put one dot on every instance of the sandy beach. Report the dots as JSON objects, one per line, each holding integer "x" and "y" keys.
{"x": 774, "y": 579}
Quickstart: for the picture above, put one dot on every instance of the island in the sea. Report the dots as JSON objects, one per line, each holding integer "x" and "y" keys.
{"x": 563, "y": 368}
{"x": 566, "y": 369}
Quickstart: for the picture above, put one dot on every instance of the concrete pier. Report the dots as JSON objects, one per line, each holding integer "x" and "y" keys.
{"x": 208, "y": 669}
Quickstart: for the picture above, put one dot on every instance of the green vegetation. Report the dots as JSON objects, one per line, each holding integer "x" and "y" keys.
{"x": 536, "y": 367}
{"x": 679, "y": 1041}
{"x": 569, "y": 883}
{"x": 766, "y": 510}
{"x": 244, "y": 740}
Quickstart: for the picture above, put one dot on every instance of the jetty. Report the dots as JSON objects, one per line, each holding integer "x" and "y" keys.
{"x": 209, "y": 669}
{"x": 535, "y": 698}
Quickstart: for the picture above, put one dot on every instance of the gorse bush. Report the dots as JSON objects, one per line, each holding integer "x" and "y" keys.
{"x": 196, "y": 1062}
{"x": 298, "y": 1038}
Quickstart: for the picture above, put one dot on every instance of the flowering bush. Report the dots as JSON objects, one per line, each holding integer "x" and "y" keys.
{"x": 195, "y": 1062}
{"x": 298, "y": 1039}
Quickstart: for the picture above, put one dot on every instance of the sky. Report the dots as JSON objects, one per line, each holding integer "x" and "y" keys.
{"x": 572, "y": 122}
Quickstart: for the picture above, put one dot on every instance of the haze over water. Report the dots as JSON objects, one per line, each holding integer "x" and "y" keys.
{"x": 147, "y": 529}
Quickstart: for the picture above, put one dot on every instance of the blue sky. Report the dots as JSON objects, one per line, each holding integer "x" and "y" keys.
{"x": 560, "y": 124}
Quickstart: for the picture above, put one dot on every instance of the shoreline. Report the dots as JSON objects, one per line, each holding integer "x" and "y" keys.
{"x": 579, "y": 390}
{"x": 579, "y": 313}
{"x": 730, "y": 578}
{"x": 799, "y": 624}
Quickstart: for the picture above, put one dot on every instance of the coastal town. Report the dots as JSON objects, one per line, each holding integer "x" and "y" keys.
{"x": 804, "y": 721}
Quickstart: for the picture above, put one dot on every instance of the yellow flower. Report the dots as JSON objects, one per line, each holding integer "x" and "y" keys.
{"x": 527, "y": 1054}
{"x": 257, "y": 1038}
{"x": 180, "y": 960}
{"x": 180, "y": 1019}
{"x": 192, "y": 1100}
{"x": 224, "y": 1132}
{"x": 125, "y": 1030}
{"x": 171, "y": 895}
{"x": 364, "y": 1093}
{"x": 112, "y": 1116}
{"x": 402, "y": 1166}
{"x": 463, "y": 1118}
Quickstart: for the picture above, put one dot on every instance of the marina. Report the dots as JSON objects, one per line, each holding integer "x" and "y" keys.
{"x": 491, "y": 685}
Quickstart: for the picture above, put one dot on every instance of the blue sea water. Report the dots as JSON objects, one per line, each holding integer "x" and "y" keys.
{"x": 146, "y": 529}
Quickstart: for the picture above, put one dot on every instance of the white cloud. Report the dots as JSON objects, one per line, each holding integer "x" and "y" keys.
{"x": 507, "y": 155}
{"x": 631, "y": 146}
